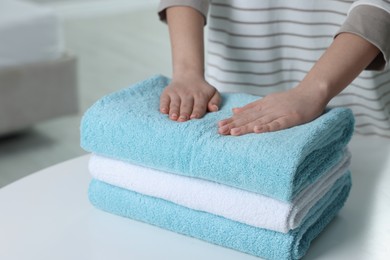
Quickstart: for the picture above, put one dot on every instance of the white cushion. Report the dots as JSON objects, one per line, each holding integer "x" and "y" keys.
{"x": 28, "y": 33}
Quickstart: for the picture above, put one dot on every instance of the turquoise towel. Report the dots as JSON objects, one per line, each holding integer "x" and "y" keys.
{"x": 127, "y": 125}
{"x": 218, "y": 230}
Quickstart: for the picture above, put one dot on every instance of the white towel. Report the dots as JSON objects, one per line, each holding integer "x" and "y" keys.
{"x": 232, "y": 203}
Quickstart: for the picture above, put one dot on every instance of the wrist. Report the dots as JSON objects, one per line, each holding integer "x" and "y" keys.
{"x": 317, "y": 89}
{"x": 187, "y": 73}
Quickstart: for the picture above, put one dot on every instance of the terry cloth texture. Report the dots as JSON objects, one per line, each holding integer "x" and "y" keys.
{"x": 218, "y": 230}
{"x": 128, "y": 126}
{"x": 242, "y": 206}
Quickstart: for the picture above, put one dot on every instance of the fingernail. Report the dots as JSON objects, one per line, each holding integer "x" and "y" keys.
{"x": 224, "y": 129}
{"x": 183, "y": 117}
{"x": 235, "y": 131}
{"x": 164, "y": 110}
{"x": 194, "y": 116}
{"x": 214, "y": 107}
{"x": 221, "y": 131}
{"x": 257, "y": 129}
{"x": 174, "y": 116}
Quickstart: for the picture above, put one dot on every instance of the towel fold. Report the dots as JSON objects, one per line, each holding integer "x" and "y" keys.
{"x": 242, "y": 206}
{"x": 127, "y": 125}
{"x": 212, "y": 228}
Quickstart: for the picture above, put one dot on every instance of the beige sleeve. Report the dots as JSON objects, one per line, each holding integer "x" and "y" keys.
{"x": 200, "y": 5}
{"x": 373, "y": 24}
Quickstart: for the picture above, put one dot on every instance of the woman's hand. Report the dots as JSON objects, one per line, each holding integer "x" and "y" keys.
{"x": 189, "y": 98}
{"x": 274, "y": 112}
{"x": 341, "y": 63}
{"x": 188, "y": 95}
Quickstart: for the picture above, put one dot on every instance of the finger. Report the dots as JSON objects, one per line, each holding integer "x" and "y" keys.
{"x": 258, "y": 123}
{"x": 252, "y": 112}
{"x": 200, "y": 108}
{"x": 186, "y": 107}
{"x": 236, "y": 110}
{"x": 233, "y": 123}
{"x": 249, "y": 127}
{"x": 225, "y": 130}
{"x": 224, "y": 122}
{"x": 174, "y": 107}
{"x": 242, "y": 130}
{"x": 274, "y": 125}
{"x": 214, "y": 102}
{"x": 238, "y": 121}
{"x": 227, "y": 121}
{"x": 224, "y": 126}
{"x": 164, "y": 103}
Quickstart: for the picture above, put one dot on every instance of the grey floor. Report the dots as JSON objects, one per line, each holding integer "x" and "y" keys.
{"x": 114, "y": 51}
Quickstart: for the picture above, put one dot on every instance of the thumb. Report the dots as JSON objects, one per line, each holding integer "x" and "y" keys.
{"x": 215, "y": 101}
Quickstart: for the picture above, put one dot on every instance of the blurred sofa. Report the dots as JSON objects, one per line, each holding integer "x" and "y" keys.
{"x": 38, "y": 77}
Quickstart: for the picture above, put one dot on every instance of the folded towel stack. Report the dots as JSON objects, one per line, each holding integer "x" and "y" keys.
{"x": 268, "y": 194}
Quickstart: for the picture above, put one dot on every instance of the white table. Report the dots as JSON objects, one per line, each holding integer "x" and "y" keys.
{"x": 47, "y": 216}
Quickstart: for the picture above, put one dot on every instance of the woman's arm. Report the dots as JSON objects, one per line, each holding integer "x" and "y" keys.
{"x": 189, "y": 95}
{"x": 342, "y": 62}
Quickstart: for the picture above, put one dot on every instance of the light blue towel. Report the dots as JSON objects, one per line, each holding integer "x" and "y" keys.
{"x": 127, "y": 125}
{"x": 218, "y": 230}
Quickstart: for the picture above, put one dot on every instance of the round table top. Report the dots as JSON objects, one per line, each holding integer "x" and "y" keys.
{"x": 47, "y": 215}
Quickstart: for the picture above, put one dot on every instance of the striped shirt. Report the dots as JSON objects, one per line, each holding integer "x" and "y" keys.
{"x": 266, "y": 46}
